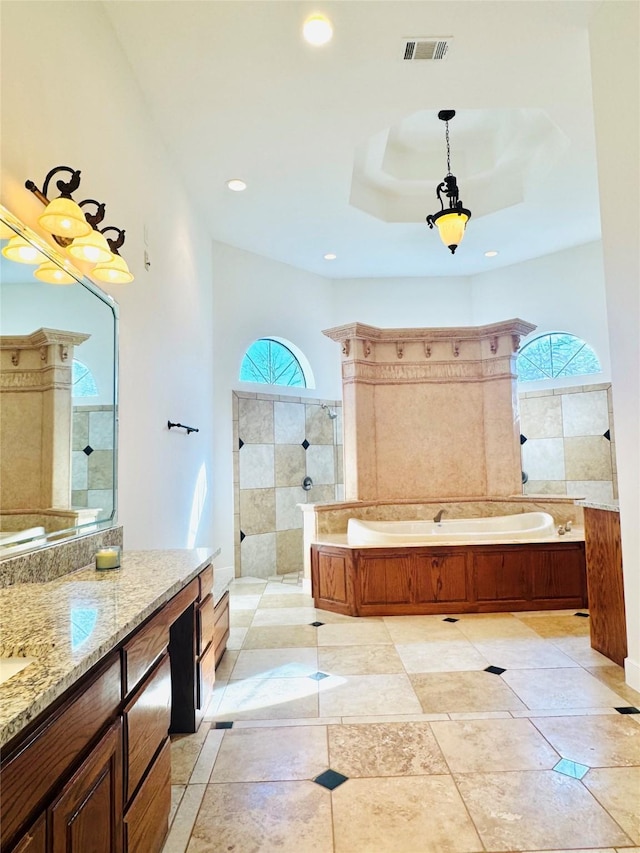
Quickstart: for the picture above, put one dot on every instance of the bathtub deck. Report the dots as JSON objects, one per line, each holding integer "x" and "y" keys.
{"x": 472, "y": 578}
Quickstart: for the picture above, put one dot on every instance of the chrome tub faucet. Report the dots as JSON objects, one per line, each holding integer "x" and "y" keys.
{"x": 438, "y": 516}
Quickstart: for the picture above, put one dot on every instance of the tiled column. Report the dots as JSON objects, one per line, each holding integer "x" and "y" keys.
{"x": 430, "y": 412}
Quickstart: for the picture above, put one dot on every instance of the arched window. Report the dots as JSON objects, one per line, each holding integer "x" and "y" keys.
{"x": 555, "y": 355}
{"x": 270, "y": 362}
{"x": 82, "y": 382}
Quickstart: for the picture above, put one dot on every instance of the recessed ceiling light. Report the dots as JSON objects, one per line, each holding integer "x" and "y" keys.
{"x": 330, "y": 256}
{"x": 317, "y": 30}
{"x": 491, "y": 254}
{"x": 236, "y": 185}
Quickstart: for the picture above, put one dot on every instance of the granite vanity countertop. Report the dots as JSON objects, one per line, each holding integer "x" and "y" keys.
{"x": 612, "y": 506}
{"x": 70, "y": 623}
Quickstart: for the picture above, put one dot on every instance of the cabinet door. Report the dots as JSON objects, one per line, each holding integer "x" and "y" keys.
{"x": 503, "y": 575}
{"x": 87, "y": 816}
{"x": 35, "y": 841}
{"x": 385, "y": 579}
{"x": 441, "y": 578}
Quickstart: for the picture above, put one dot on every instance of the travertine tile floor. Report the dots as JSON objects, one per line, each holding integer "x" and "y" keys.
{"x": 439, "y": 755}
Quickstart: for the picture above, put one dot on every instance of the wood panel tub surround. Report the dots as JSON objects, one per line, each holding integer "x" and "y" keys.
{"x": 449, "y": 579}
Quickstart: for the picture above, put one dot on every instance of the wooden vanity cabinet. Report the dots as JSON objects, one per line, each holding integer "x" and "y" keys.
{"x": 93, "y": 774}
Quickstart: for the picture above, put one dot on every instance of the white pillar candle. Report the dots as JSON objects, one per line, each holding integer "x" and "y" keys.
{"x": 108, "y": 558}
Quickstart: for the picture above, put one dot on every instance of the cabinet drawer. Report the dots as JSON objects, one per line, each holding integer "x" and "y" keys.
{"x": 87, "y": 816}
{"x": 30, "y": 775}
{"x": 147, "y": 821}
{"x": 205, "y": 579}
{"x": 150, "y": 641}
{"x": 147, "y": 717}
{"x": 206, "y": 676}
{"x": 206, "y": 621}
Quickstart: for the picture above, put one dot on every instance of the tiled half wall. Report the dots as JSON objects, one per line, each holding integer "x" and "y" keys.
{"x": 568, "y": 442}
{"x": 277, "y": 442}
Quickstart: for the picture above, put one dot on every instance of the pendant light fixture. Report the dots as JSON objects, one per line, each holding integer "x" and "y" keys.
{"x": 451, "y": 221}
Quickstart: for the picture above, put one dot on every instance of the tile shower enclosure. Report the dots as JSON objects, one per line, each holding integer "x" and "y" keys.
{"x": 278, "y": 441}
{"x": 567, "y": 449}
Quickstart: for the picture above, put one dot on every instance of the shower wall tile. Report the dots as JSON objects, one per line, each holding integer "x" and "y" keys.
{"x": 100, "y": 499}
{"x": 257, "y": 510}
{"x": 543, "y": 459}
{"x": 257, "y": 468}
{"x": 339, "y": 487}
{"x": 339, "y": 464}
{"x": 337, "y": 427}
{"x": 101, "y": 430}
{"x": 541, "y": 417}
{"x": 321, "y": 494}
{"x": 288, "y": 513}
{"x": 255, "y": 421}
{"x": 80, "y": 431}
{"x": 79, "y": 498}
{"x": 289, "y": 553}
{"x": 585, "y": 413}
{"x": 319, "y": 426}
{"x": 588, "y": 458}
{"x": 100, "y": 470}
{"x": 258, "y": 555}
{"x": 600, "y": 491}
{"x": 321, "y": 464}
{"x": 545, "y": 487}
{"x": 289, "y": 419}
{"x": 290, "y": 463}
{"x": 79, "y": 471}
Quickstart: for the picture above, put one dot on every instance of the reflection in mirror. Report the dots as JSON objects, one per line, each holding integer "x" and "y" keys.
{"x": 58, "y": 405}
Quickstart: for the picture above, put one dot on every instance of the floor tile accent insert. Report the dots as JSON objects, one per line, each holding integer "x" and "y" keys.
{"x": 318, "y": 676}
{"x": 571, "y": 768}
{"x": 495, "y": 670}
{"x": 585, "y": 615}
{"x": 330, "y": 779}
{"x": 450, "y": 619}
{"x": 222, "y": 724}
{"x": 316, "y": 624}
{"x": 628, "y": 709}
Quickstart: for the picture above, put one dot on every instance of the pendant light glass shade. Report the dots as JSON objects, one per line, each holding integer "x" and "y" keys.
{"x": 20, "y": 250}
{"x": 64, "y": 218}
{"x": 451, "y": 225}
{"x": 115, "y": 271}
{"x": 53, "y": 274}
{"x": 93, "y": 248}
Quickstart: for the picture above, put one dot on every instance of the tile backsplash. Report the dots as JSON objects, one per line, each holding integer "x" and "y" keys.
{"x": 278, "y": 441}
{"x": 568, "y": 445}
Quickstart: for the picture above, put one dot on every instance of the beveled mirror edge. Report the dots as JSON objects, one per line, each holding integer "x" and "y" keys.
{"x": 68, "y": 534}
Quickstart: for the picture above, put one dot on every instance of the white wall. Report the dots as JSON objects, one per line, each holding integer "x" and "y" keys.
{"x": 68, "y": 98}
{"x": 255, "y": 297}
{"x": 402, "y": 302}
{"x": 563, "y": 292}
{"x": 615, "y": 48}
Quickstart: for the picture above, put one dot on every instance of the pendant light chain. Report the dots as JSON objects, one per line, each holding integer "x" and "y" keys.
{"x": 448, "y": 148}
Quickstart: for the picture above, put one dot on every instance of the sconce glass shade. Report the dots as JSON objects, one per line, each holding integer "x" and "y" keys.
{"x": 115, "y": 271}
{"x": 93, "y": 248}
{"x": 64, "y": 218}
{"x": 53, "y": 274}
{"x": 20, "y": 250}
{"x": 451, "y": 225}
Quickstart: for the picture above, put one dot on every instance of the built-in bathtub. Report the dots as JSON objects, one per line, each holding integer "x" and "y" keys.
{"x": 524, "y": 527}
{"x": 468, "y": 565}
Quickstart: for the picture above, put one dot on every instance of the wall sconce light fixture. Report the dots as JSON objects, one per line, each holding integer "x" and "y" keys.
{"x": 77, "y": 230}
{"x": 20, "y": 250}
{"x": 452, "y": 220}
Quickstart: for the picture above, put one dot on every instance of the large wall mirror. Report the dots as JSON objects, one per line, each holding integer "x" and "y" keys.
{"x": 58, "y": 396}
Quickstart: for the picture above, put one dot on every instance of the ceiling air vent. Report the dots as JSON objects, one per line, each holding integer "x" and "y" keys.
{"x": 425, "y": 49}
